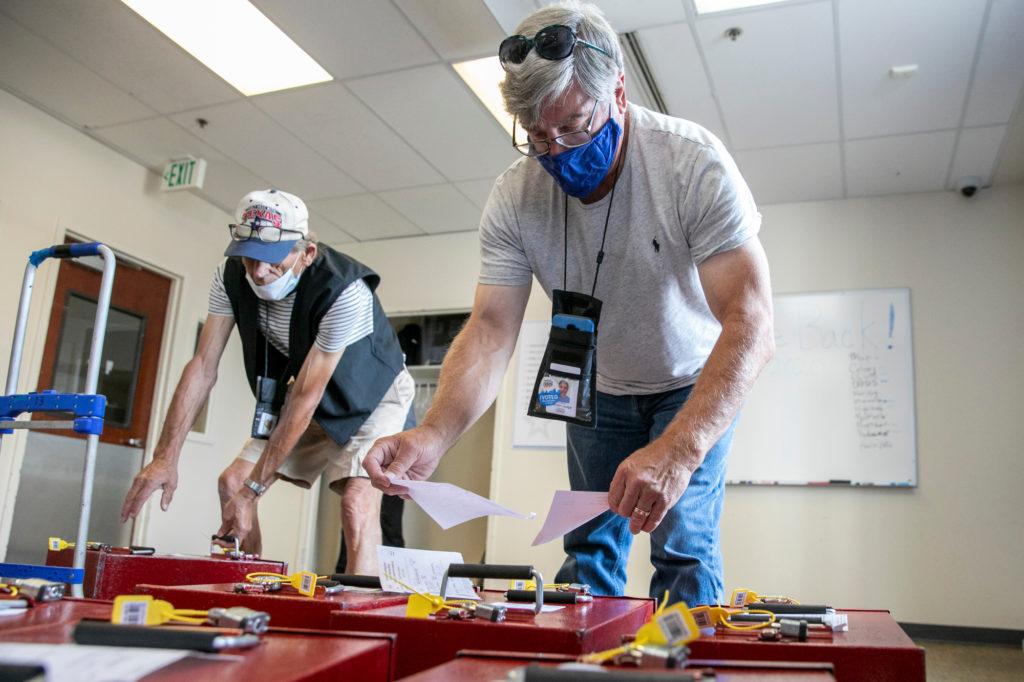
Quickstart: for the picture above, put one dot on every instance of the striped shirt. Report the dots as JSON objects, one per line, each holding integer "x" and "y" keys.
{"x": 349, "y": 319}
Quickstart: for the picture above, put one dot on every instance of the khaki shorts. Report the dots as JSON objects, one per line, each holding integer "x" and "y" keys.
{"x": 316, "y": 452}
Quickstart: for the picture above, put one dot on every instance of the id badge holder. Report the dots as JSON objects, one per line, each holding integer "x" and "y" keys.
{"x": 565, "y": 386}
{"x": 265, "y": 418}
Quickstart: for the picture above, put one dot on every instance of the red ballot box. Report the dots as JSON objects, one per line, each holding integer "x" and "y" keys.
{"x": 874, "y": 649}
{"x": 110, "y": 572}
{"x": 54, "y": 612}
{"x": 283, "y": 655}
{"x": 486, "y": 666}
{"x": 573, "y": 630}
{"x": 287, "y": 608}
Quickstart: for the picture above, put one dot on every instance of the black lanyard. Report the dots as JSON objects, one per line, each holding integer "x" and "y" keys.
{"x": 604, "y": 235}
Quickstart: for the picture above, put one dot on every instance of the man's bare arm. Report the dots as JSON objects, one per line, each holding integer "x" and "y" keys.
{"x": 198, "y": 377}
{"x": 470, "y": 377}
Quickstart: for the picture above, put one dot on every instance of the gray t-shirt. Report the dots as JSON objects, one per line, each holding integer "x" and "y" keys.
{"x": 679, "y": 199}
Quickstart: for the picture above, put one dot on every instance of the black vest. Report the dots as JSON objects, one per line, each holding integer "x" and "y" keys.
{"x": 367, "y": 368}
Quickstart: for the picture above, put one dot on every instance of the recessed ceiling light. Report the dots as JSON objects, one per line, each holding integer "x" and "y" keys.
{"x": 710, "y": 6}
{"x": 236, "y": 41}
{"x": 484, "y": 76}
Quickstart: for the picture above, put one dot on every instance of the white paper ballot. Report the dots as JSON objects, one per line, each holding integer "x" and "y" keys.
{"x": 570, "y": 509}
{"x": 422, "y": 570}
{"x": 523, "y": 606}
{"x": 75, "y": 662}
{"x": 449, "y": 505}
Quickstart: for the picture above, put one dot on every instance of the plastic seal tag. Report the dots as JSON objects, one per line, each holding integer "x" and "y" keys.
{"x": 56, "y": 544}
{"x": 678, "y": 626}
{"x": 702, "y": 617}
{"x": 305, "y": 583}
{"x": 741, "y": 597}
{"x": 422, "y": 605}
{"x": 138, "y": 609}
{"x": 523, "y": 585}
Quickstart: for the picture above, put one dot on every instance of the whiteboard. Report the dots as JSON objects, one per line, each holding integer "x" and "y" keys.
{"x": 836, "y": 403}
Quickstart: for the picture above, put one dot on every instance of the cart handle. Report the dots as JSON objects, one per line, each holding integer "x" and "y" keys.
{"x": 64, "y": 251}
{"x": 495, "y": 571}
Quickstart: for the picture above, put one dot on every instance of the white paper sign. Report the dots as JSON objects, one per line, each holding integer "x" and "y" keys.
{"x": 533, "y": 432}
{"x": 76, "y": 662}
{"x": 422, "y": 570}
{"x": 449, "y": 505}
{"x": 569, "y": 510}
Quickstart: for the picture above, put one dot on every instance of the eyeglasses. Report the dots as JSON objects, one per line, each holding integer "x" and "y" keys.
{"x": 241, "y": 232}
{"x": 576, "y": 138}
{"x": 552, "y": 42}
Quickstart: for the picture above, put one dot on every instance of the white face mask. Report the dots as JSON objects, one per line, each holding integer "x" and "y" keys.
{"x": 278, "y": 289}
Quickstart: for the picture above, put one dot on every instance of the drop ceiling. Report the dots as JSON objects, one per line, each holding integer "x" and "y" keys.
{"x": 396, "y": 145}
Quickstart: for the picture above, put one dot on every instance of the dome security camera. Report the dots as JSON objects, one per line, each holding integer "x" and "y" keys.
{"x": 969, "y": 185}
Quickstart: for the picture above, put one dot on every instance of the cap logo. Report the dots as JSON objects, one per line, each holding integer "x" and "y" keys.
{"x": 255, "y": 215}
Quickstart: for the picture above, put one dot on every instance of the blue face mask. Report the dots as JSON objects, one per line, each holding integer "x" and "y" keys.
{"x": 578, "y": 171}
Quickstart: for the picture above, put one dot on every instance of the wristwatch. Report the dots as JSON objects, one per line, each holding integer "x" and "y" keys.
{"x": 252, "y": 485}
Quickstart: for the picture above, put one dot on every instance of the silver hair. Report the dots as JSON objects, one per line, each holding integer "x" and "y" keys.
{"x": 532, "y": 85}
{"x": 302, "y": 242}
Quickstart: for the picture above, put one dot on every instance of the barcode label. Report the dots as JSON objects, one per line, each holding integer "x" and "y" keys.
{"x": 133, "y": 612}
{"x": 55, "y": 544}
{"x": 739, "y": 598}
{"x": 674, "y": 627}
{"x": 308, "y": 583}
{"x": 519, "y": 585}
{"x": 702, "y": 617}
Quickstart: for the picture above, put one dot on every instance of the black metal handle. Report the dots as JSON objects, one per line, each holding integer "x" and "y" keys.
{"x": 788, "y": 608}
{"x": 550, "y": 596}
{"x": 498, "y": 571}
{"x": 107, "y": 634}
{"x": 353, "y": 580}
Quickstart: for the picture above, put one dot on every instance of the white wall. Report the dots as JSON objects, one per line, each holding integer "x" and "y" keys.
{"x": 946, "y": 552}
{"x": 54, "y": 179}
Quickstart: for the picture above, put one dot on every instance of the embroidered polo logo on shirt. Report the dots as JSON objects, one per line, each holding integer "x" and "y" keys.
{"x": 656, "y": 245}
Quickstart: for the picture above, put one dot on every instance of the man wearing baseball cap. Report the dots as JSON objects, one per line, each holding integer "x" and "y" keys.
{"x": 323, "y": 363}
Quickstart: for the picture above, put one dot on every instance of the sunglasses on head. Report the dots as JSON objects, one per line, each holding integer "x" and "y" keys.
{"x": 552, "y": 42}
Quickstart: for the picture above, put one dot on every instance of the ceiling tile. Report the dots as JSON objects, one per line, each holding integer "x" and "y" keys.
{"x": 1011, "y": 159}
{"x": 476, "y": 191}
{"x": 432, "y": 110}
{"x": 976, "y": 153}
{"x": 457, "y": 29}
{"x": 777, "y": 82}
{"x": 350, "y": 38}
{"x": 784, "y": 174}
{"x": 439, "y": 208}
{"x": 671, "y": 53}
{"x": 365, "y": 216}
{"x": 327, "y": 232}
{"x": 124, "y": 48}
{"x": 245, "y": 134}
{"x": 508, "y": 13}
{"x": 156, "y": 141}
{"x": 35, "y": 70}
{"x": 630, "y": 15}
{"x": 999, "y": 75}
{"x": 876, "y": 35}
{"x": 340, "y": 127}
{"x": 899, "y": 164}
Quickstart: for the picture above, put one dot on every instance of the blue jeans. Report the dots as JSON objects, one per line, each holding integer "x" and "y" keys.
{"x": 685, "y": 549}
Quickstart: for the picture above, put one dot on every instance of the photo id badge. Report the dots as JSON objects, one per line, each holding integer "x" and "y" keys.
{"x": 565, "y": 385}
{"x": 265, "y": 418}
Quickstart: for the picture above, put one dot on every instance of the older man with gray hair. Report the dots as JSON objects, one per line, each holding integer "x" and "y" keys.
{"x": 639, "y": 223}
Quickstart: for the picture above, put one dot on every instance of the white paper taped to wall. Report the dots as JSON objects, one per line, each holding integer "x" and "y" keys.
{"x": 569, "y": 510}
{"x": 421, "y": 570}
{"x": 449, "y": 505}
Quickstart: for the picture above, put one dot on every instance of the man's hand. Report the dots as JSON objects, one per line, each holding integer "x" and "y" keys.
{"x": 647, "y": 484}
{"x": 410, "y": 454}
{"x": 238, "y": 514}
{"x": 157, "y": 474}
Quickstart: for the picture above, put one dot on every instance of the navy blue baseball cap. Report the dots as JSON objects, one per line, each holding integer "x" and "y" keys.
{"x": 269, "y": 208}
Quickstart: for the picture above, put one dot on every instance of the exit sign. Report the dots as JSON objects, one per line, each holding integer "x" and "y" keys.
{"x": 184, "y": 173}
